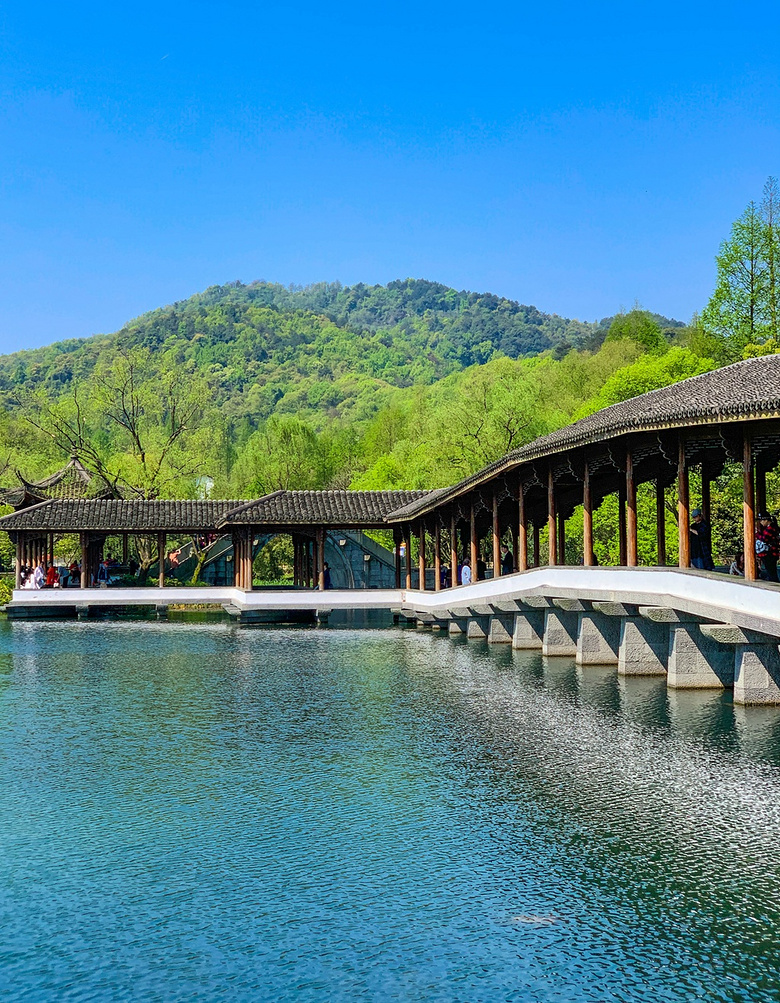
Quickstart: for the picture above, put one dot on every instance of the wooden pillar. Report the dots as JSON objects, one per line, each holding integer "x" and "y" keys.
{"x": 622, "y": 541}
{"x": 587, "y": 519}
{"x": 18, "y": 561}
{"x": 561, "y": 539}
{"x": 408, "y": 548}
{"x": 496, "y": 537}
{"x": 660, "y": 523}
{"x": 437, "y": 555}
{"x": 748, "y": 509}
{"x": 161, "y": 556}
{"x": 551, "y": 520}
{"x": 421, "y": 556}
{"x": 632, "y": 544}
{"x": 537, "y": 543}
{"x": 473, "y": 544}
{"x": 683, "y": 508}
{"x": 521, "y": 554}
{"x": 321, "y": 559}
{"x": 760, "y": 497}
{"x": 453, "y": 550}
{"x": 397, "y": 553}
{"x": 84, "y": 560}
{"x": 315, "y": 559}
{"x": 248, "y": 558}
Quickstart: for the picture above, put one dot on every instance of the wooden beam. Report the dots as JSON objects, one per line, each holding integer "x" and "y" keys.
{"x": 660, "y": 522}
{"x": 683, "y": 508}
{"x": 421, "y": 556}
{"x": 587, "y": 519}
{"x": 161, "y": 558}
{"x": 473, "y": 543}
{"x": 496, "y": 537}
{"x": 551, "y": 520}
{"x": 437, "y": 555}
{"x": 632, "y": 545}
{"x": 453, "y": 550}
{"x": 521, "y": 554}
{"x": 748, "y": 509}
{"x": 408, "y": 548}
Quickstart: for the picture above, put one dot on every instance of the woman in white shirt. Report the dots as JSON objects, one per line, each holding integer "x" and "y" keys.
{"x": 465, "y": 573}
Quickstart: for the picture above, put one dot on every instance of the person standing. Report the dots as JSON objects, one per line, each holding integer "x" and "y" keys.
{"x": 326, "y": 580}
{"x": 767, "y": 545}
{"x": 39, "y": 576}
{"x": 701, "y": 542}
{"x": 507, "y": 561}
{"x": 465, "y": 572}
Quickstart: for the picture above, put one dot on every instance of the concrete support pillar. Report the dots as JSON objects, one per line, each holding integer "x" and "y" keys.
{"x": 560, "y": 632}
{"x": 477, "y": 627}
{"x": 756, "y": 662}
{"x": 501, "y": 628}
{"x": 643, "y": 649}
{"x": 528, "y": 633}
{"x": 696, "y": 661}
{"x": 457, "y": 626}
{"x": 598, "y": 637}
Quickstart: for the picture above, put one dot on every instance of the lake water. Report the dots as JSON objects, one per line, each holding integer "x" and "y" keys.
{"x": 203, "y": 812}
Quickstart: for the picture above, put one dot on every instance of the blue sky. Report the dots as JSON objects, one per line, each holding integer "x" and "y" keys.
{"x": 578, "y": 157}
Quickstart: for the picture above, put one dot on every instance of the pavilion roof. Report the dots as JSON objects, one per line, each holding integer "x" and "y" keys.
{"x": 333, "y": 508}
{"x": 744, "y": 390}
{"x": 118, "y": 515}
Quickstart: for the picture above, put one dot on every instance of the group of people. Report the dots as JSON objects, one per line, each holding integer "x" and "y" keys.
{"x": 49, "y": 576}
{"x": 767, "y": 546}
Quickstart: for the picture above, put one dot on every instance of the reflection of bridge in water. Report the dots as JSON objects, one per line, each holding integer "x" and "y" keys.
{"x": 700, "y": 629}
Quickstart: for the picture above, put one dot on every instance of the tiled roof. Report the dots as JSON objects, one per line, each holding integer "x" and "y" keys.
{"x": 112, "y": 515}
{"x": 333, "y": 508}
{"x": 748, "y": 389}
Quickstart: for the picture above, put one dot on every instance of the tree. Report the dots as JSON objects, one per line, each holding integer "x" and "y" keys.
{"x": 770, "y": 213}
{"x": 738, "y": 311}
{"x": 638, "y": 326}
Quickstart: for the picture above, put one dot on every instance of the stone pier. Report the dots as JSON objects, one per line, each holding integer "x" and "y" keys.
{"x": 756, "y": 662}
{"x": 560, "y": 629}
{"x": 696, "y": 661}
{"x": 598, "y": 635}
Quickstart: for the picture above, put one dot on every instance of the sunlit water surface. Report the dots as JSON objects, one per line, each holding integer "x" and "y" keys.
{"x": 202, "y": 812}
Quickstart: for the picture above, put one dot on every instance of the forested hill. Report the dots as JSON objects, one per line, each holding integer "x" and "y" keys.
{"x": 324, "y": 350}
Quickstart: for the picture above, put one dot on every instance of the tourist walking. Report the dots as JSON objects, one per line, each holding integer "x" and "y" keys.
{"x": 52, "y": 577}
{"x": 701, "y": 542}
{"x": 465, "y": 572}
{"x": 507, "y": 561}
{"x": 39, "y": 576}
{"x": 326, "y": 582}
{"x": 767, "y": 546}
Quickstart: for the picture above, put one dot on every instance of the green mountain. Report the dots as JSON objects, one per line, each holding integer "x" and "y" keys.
{"x": 322, "y": 351}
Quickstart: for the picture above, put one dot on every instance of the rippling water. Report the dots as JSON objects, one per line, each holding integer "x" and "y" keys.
{"x": 200, "y": 812}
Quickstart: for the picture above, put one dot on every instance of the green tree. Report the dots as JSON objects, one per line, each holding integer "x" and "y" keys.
{"x": 738, "y": 311}
{"x": 638, "y": 326}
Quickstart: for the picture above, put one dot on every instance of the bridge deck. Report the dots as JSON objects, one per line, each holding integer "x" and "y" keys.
{"x": 754, "y": 605}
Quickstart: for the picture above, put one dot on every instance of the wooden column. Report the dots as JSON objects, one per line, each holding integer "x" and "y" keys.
{"x": 437, "y": 555}
{"x": 683, "y": 508}
{"x": 521, "y": 554}
{"x": 551, "y": 520}
{"x": 321, "y": 559}
{"x": 421, "y": 556}
{"x": 473, "y": 544}
{"x": 315, "y": 556}
{"x": 453, "y": 551}
{"x": 248, "y": 559}
{"x": 632, "y": 545}
{"x": 408, "y": 547}
{"x": 760, "y": 498}
{"x": 660, "y": 523}
{"x": 84, "y": 560}
{"x": 561, "y": 539}
{"x": 587, "y": 520}
{"x": 161, "y": 558}
{"x": 496, "y": 538}
{"x": 397, "y": 552}
{"x": 748, "y": 510}
{"x": 18, "y": 561}
{"x": 622, "y": 541}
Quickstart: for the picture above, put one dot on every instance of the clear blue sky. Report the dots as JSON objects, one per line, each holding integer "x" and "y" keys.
{"x": 574, "y": 156}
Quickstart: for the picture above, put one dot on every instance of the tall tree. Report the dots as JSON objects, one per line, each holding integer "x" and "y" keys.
{"x": 770, "y": 212}
{"x": 738, "y": 311}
